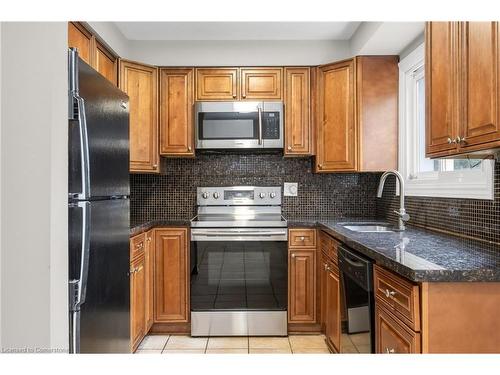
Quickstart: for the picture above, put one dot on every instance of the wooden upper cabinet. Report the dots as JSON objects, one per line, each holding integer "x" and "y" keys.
{"x": 480, "y": 87}
{"x": 302, "y": 286}
{"x": 92, "y": 51}
{"x": 139, "y": 82}
{"x": 176, "y": 112}
{"x": 462, "y": 88}
{"x": 298, "y": 129}
{"x": 261, "y": 83}
{"x": 137, "y": 301}
{"x": 441, "y": 77}
{"x": 83, "y": 40}
{"x": 106, "y": 63}
{"x": 217, "y": 84}
{"x": 336, "y": 144}
{"x": 171, "y": 275}
{"x": 377, "y": 90}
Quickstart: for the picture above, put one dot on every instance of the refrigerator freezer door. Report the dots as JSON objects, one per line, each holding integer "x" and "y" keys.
{"x": 104, "y": 316}
{"x": 107, "y": 129}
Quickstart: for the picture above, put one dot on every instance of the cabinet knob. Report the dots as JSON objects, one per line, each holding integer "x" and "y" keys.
{"x": 326, "y": 266}
{"x": 320, "y": 166}
{"x": 289, "y": 148}
{"x": 390, "y": 351}
{"x": 293, "y": 255}
{"x": 189, "y": 148}
{"x": 243, "y": 96}
{"x": 450, "y": 141}
{"x": 302, "y": 238}
{"x": 155, "y": 165}
{"x": 460, "y": 140}
{"x": 390, "y": 293}
{"x": 234, "y": 95}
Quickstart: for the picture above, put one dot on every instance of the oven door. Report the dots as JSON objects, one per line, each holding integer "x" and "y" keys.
{"x": 239, "y": 282}
{"x": 238, "y": 125}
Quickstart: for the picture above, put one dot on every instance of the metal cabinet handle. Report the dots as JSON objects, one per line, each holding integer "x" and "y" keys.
{"x": 460, "y": 140}
{"x": 390, "y": 293}
{"x": 450, "y": 141}
{"x": 326, "y": 266}
{"x": 302, "y": 238}
{"x": 390, "y": 351}
{"x": 189, "y": 148}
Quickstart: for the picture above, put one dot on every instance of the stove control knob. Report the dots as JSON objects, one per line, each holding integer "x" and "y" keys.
{"x": 262, "y": 195}
{"x": 205, "y": 195}
{"x": 272, "y": 195}
{"x": 216, "y": 195}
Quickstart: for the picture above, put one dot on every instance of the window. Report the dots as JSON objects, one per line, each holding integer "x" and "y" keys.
{"x": 449, "y": 178}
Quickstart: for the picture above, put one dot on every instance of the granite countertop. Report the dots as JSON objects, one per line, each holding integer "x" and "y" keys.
{"x": 136, "y": 229}
{"x": 422, "y": 255}
{"x": 418, "y": 254}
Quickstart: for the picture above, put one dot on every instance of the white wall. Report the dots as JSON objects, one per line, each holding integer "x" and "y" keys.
{"x": 34, "y": 186}
{"x": 235, "y": 53}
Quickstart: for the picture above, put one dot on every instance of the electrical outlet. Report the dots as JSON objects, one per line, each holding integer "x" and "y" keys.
{"x": 291, "y": 189}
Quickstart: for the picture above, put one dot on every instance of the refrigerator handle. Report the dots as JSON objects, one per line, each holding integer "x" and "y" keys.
{"x": 76, "y": 99}
{"x": 78, "y": 287}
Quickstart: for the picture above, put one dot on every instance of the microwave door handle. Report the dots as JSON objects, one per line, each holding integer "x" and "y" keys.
{"x": 259, "y": 110}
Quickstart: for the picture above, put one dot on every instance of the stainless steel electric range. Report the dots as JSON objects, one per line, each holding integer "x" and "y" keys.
{"x": 239, "y": 268}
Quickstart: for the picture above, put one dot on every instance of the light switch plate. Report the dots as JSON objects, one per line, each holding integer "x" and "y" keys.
{"x": 291, "y": 189}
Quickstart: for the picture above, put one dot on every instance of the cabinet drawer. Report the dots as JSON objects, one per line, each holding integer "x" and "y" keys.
{"x": 329, "y": 247}
{"x": 137, "y": 245}
{"x": 302, "y": 238}
{"x": 393, "y": 336}
{"x": 399, "y": 296}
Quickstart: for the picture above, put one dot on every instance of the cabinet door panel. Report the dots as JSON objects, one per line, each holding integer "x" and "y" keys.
{"x": 171, "y": 275}
{"x": 480, "y": 96}
{"x": 333, "y": 316}
{"x": 106, "y": 64}
{"x": 217, "y": 84}
{"x": 297, "y": 114}
{"x": 392, "y": 336}
{"x": 81, "y": 39}
{"x": 336, "y": 128}
{"x": 149, "y": 265}
{"x": 261, "y": 83}
{"x": 140, "y": 84}
{"x": 176, "y": 112}
{"x": 302, "y": 286}
{"x": 137, "y": 301}
{"x": 441, "y": 79}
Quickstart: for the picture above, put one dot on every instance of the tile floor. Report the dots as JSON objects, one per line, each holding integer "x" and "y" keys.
{"x": 293, "y": 344}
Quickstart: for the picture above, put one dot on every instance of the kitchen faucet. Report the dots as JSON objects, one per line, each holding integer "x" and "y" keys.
{"x": 402, "y": 215}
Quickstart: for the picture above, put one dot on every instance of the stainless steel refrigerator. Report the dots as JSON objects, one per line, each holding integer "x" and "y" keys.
{"x": 98, "y": 209}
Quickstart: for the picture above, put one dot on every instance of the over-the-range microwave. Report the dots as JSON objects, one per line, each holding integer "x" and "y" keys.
{"x": 239, "y": 125}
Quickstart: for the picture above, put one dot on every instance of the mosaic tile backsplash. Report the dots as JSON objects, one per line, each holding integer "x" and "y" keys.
{"x": 473, "y": 218}
{"x": 172, "y": 195}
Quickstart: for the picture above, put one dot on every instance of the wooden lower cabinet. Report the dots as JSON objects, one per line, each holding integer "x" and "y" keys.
{"x": 137, "y": 301}
{"x": 393, "y": 336}
{"x": 332, "y": 307}
{"x": 149, "y": 266}
{"x": 171, "y": 275}
{"x": 302, "y": 286}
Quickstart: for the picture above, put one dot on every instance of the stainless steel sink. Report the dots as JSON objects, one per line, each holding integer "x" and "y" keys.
{"x": 369, "y": 227}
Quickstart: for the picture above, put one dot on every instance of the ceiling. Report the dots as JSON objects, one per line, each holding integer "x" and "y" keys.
{"x": 237, "y": 30}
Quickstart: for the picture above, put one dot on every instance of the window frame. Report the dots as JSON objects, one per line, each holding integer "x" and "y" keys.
{"x": 470, "y": 184}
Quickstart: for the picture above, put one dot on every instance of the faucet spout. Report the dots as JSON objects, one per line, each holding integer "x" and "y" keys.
{"x": 402, "y": 215}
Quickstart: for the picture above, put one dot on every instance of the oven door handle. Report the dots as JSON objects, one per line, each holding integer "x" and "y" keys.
{"x": 240, "y": 234}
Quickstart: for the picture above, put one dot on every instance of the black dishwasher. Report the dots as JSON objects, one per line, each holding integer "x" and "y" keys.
{"x": 356, "y": 273}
